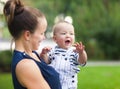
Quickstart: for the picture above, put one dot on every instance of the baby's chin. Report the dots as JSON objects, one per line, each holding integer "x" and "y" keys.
{"x": 67, "y": 47}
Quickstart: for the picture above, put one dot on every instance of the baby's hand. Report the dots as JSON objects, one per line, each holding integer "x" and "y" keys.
{"x": 79, "y": 47}
{"x": 44, "y": 55}
{"x": 45, "y": 50}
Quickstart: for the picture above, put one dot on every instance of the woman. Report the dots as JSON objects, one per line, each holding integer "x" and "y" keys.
{"x": 27, "y": 26}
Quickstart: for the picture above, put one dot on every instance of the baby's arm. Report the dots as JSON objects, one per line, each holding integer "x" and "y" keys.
{"x": 80, "y": 48}
{"x": 44, "y": 54}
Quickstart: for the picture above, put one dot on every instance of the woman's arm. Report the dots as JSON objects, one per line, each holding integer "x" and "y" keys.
{"x": 29, "y": 75}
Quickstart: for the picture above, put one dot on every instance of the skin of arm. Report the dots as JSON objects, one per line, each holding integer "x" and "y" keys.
{"x": 80, "y": 48}
{"x": 29, "y": 75}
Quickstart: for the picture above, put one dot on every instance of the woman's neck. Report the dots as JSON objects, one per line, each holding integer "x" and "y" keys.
{"x": 22, "y": 46}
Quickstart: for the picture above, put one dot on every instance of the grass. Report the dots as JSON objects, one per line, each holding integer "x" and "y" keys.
{"x": 100, "y": 77}
{"x": 92, "y": 77}
{"x": 5, "y": 81}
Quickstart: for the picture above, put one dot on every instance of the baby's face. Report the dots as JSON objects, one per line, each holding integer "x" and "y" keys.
{"x": 64, "y": 35}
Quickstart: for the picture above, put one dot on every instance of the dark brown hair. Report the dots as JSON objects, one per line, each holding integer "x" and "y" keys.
{"x": 20, "y": 18}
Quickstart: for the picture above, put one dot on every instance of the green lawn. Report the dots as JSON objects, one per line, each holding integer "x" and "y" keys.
{"x": 5, "y": 81}
{"x": 101, "y": 77}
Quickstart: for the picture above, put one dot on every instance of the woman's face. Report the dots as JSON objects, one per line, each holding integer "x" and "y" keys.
{"x": 38, "y": 35}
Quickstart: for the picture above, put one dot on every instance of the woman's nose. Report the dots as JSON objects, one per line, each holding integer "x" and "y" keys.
{"x": 44, "y": 37}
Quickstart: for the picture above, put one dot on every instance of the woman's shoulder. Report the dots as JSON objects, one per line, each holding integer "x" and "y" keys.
{"x": 26, "y": 71}
{"x": 26, "y": 65}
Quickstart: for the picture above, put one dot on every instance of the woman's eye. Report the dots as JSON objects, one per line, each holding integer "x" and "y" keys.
{"x": 42, "y": 33}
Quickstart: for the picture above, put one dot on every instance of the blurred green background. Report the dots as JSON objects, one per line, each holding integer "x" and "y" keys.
{"x": 97, "y": 24}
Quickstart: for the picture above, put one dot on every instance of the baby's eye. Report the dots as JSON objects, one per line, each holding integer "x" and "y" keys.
{"x": 63, "y": 33}
{"x": 71, "y": 33}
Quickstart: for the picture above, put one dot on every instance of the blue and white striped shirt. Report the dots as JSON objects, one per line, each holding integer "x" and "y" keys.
{"x": 66, "y": 64}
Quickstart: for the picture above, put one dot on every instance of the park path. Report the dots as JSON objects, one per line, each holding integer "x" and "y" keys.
{"x": 103, "y": 63}
{"x": 5, "y": 44}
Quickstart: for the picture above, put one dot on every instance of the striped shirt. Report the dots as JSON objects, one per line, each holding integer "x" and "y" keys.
{"x": 66, "y": 64}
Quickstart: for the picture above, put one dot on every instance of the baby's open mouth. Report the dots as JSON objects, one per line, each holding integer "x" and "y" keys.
{"x": 67, "y": 41}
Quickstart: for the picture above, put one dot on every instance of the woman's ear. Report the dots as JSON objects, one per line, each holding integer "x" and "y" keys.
{"x": 27, "y": 35}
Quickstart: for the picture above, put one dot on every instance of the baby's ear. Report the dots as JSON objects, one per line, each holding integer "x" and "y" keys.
{"x": 54, "y": 38}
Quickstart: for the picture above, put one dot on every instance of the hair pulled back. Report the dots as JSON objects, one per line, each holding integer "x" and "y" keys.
{"x": 20, "y": 18}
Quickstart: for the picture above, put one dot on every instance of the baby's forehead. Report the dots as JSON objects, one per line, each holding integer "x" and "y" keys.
{"x": 63, "y": 25}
